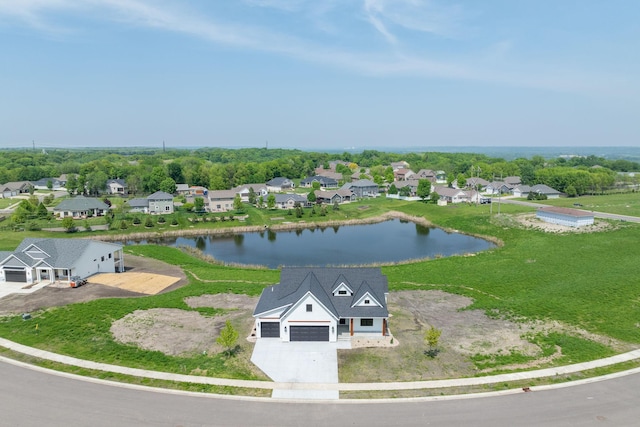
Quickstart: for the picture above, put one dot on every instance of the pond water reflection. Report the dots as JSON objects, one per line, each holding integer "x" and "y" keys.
{"x": 385, "y": 242}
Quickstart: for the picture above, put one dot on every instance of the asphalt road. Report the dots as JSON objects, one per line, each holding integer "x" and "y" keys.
{"x": 31, "y": 397}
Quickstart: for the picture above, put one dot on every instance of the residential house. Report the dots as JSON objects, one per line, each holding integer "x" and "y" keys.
{"x": 289, "y": 201}
{"x": 138, "y": 205}
{"x": 330, "y": 174}
{"x": 221, "y": 200}
{"x": 330, "y": 197}
{"x": 47, "y": 260}
{"x": 362, "y": 188}
{"x": 498, "y": 187}
{"x": 160, "y": 203}
{"x": 183, "y": 189}
{"x": 44, "y": 183}
{"x": 81, "y": 207}
{"x": 451, "y": 195}
{"x": 321, "y": 304}
{"x": 403, "y": 174}
{"x": 280, "y": 184}
{"x": 324, "y": 182}
{"x": 14, "y": 188}
{"x": 411, "y": 184}
{"x": 259, "y": 190}
{"x": 525, "y": 190}
{"x": 399, "y": 165}
{"x": 427, "y": 174}
{"x": 565, "y": 216}
{"x": 117, "y": 186}
{"x": 476, "y": 183}
{"x": 513, "y": 181}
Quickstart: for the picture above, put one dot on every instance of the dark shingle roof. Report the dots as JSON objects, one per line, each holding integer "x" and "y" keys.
{"x": 295, "y": 282}
{"x": 81, "y": 203}
{"x": 59, "y": 253}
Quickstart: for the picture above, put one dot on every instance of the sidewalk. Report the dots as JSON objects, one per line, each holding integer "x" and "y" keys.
{"x": 412, "y": 385}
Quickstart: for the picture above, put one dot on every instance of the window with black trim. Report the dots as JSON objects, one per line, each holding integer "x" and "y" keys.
{"x": 309, "y": 307}
{"x": 366, "y": 322}
{"x": 367, "y": 301}
{"x": 343, "y": 292}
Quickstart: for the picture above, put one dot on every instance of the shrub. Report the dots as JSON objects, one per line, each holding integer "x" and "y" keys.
{"x": 148, "y": 223}
{"x": 162, "y": 220}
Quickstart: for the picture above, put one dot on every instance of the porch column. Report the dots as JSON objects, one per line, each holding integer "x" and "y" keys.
{"x": 351, "y": 326}
{"x": 384, "y": 326}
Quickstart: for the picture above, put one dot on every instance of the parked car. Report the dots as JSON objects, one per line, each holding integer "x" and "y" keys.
{"x": 77, "y": 281}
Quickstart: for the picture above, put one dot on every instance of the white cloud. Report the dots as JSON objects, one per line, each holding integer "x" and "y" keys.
{"x": 398, "y": 60}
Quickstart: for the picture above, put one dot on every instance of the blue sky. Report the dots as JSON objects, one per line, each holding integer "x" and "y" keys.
{"x": 319, "y": 74}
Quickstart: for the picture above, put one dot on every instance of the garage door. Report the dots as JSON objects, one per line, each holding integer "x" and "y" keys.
{"x": 15, "y": 276}
{"x": 309, "y": 333}
{"x": 270, "y": 329}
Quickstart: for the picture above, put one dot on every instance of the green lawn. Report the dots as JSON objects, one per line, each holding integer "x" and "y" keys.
{"x": 621, "y": 204}
{"x": 586, "y": 280}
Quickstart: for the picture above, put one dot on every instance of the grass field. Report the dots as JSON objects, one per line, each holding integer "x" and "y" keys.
{"x": 586, "y": 280}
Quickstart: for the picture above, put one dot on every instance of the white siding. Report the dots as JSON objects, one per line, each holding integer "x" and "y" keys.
{"x": 299, "y": 316}
{"x": 376, "y": 328}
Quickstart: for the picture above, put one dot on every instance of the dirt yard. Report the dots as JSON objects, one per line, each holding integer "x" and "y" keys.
{"x": 530, "y": 221}
{"x": 61, "y": 294}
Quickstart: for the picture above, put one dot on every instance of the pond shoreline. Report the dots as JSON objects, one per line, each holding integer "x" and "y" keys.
{"x": 284, "y": 227}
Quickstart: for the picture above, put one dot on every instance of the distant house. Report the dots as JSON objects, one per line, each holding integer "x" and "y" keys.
{"x": 525, "y": 190}
{"x": 138, "y": 205}
{"x": 321, "y": 304}
{"x": 565, "y": 216}
{"x": 81, "y": 207}
{"x": 221, "y": 200}
{"x": 362, "y": 188}
{"x": 403, "y": 174}
{"x": 330, "y": 174}
{"x": 498, "y": 187}
{"x": 116, "y": 186}
{"x": 325, "y": 182}
{"x": 279, "y": 184}
{"x": 513, "y": 181}
{"x": 399, "y": 165}
{"x": 183, "y": 189}
{"x": 198, "y": 191}
{"x": 44, "y": 183}
{"x": 451, "y": 195}
{"x": 260, "y": 190}
{"x": 411, "y": 184}
{"x": 47, "y": 260}
{"x": 476, "y": 183}
{"x": 160, "y": 203}
{"x": 14, "y": 188}
{"x": 427, "y": 174}
{"x": 289, "y": 201}
{"x": 330, "y": 197}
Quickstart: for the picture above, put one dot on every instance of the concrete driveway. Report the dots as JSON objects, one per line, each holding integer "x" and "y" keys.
{"x": 298, "y": 362}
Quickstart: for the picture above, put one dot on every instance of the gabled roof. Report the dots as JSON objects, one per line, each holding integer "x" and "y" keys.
{"x": 81, "y": 203}
{"x": 296, "y": 282}
{"x": 58, "y": 253}
{"x": 222, "y": 194}
{"x": 279, "y": 181}
{"x": 160, "y": 195}
{"x": 117, "y": 181}
{"x": 138, "y": 203}
{"x": 362, "y": 183}
{"x": 321, "y": 179}
{"x": 283, "y": 198}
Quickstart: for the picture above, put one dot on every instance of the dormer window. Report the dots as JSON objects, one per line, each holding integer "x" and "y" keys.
{"x": 342, "y": 292}
{"x": 367, "y": 301}
{"x": 309, "y": 308}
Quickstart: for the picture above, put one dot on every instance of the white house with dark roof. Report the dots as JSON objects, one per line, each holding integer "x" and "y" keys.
{"x": 525, "y": 190}
{"x": 221, "y": 200}
{"x": 116, "y": 186}
{"x": 325, "y": 182}
{"x": 362, "y": 188}
{"x": 11, "y": 189}
{"x": 289, "y": 201}
{"x": 245, "y": 191}
{"x": 280, "y": 184}
{"x": 321, "y": 304}
{"x": 47, "y": 260}
{"x": 81, "y": 207}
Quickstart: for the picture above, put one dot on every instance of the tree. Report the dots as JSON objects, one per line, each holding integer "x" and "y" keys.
{"x": 96, "y": 182}
{"x": 237, "y": 203}
{"x": 393, "y": 189}
{"x": 571, "y": 191}
{"x": 434, "y": 197}
{"x": 228, "y": 338}
{"x": 431, "y": 337}
{"x": 42, "y": 211}
{"x": 72, "y": 184}
{"x": 174, "y": 170}
{"x": 168, "y": 185}
{"x": 198, "y": 204}
{"x": 311, "y": 197}
{"x": 148, "y": 222}
{"x": 68, "y": 225}
{"x": 424, "y": 189}
{"x": 405, "y": 191}
{"x": 252, "y": 196}
{"x": 271, "y": 201}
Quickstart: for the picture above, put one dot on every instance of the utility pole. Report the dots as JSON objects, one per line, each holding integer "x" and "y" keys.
{"x": 34, "y": 145}
{"x": 163, "y": 147}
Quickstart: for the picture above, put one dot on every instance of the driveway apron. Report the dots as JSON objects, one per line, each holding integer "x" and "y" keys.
{"x": 298, "y": 362}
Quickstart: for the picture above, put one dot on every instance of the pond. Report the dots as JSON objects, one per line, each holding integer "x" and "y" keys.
{"x": 385, "y": 242}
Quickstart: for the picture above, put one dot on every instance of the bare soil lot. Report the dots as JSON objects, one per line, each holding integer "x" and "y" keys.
{"x": 56, "y": 295}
